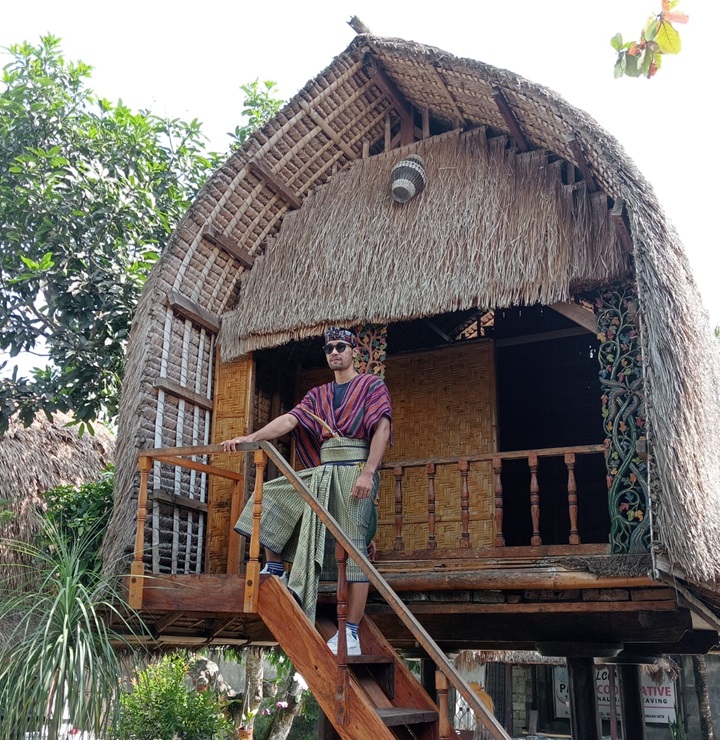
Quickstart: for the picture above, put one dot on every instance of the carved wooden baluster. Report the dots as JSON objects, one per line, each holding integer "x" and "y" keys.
{"x": 441, "y": 689}
{"x": 398, "y": 473}
{"x": 572, "y": 498}
{"x": 341, "y": 713}
{"x": 464, "y": 466}
{"x": 252, "y": 570}
{"x": 535, "y": 540}
{"x": 430, "y": 470}
{"x": 497, "y": 469}
{"x": 137, "y": 567}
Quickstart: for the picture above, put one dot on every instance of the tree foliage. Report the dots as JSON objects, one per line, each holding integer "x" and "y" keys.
{"x": 260, "y": 106}
{"x": 89, "y": 192}
{"x": 643, "y": 58}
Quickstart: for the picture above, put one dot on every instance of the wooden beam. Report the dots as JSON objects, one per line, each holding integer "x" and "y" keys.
{"x": 174, "y": 499}
{"x": 180, "y": 391}
{"x": 459, "y": 116}
{"x": 230, "y": 246}
{"x": 328, "y": 130}
{"x": 575, "y": 312}
{"x": 511, "y": 121}
{"x": 396, "y": 98}
{"x": 545, "y": 336}
{"x": 581, "y": 162}
{"x": 619, "y": 216}
{"x": 274, "y": 182}
{"x": 193, "y": 311}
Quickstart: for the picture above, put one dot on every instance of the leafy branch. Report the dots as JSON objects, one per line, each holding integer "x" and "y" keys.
{"x": 643, "y": 58}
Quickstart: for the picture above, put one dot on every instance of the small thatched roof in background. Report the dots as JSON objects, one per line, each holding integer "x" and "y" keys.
{"x": 42, "y": 456}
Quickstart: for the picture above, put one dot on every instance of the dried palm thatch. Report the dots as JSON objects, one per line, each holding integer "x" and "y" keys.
{"x": 37, "y": 458}
{"x": 492, "y": 228}
{"x": 325, "y": 136}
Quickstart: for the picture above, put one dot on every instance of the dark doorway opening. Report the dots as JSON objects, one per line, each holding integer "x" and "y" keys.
{"x": 549, "y": 396}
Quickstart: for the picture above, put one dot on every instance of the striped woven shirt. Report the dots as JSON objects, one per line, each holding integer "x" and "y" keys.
{"x": 366, "y": 401}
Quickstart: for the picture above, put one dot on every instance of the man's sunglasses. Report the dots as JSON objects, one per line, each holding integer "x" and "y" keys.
{"x": 340, "y": 347}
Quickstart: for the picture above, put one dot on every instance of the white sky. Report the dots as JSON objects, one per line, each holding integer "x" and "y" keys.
{"x": 188, "y": 60}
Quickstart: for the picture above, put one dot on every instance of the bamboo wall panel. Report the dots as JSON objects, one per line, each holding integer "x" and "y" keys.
{"x": 231, "y": 417}
{"x": 443, "y": 405}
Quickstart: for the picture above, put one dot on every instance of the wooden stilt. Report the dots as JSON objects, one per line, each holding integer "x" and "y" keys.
{"x": 584, "y": 715}
{"x": 633, "y": 718}
{"x": 441, "y": 683}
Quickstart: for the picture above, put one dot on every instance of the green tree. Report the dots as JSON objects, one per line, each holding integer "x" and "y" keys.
{"x": 659, "y": 36}
{"x": 161, "y": 707}
{"x": 89, "y": 192}
{"x": 260, "y": 106}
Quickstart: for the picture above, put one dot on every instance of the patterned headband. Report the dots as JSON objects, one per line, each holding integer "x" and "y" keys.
{"x": 333, "y": 333}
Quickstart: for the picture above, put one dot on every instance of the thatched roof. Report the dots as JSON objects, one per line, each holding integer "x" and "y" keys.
{"x": 42, "y": 456}
{"x": 328, "y": 129}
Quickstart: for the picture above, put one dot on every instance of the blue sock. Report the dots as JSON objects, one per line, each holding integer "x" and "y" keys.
{"x": 352, "y": 627}
{"x": 275, "y": 569}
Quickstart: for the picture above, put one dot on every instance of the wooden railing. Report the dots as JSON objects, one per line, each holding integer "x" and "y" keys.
{"x": 344, "y": 548}
{"x": 496, "y": 459}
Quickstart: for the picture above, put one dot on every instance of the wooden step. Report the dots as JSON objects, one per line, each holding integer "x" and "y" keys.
{"x": 373, "y": 659}
{"x": 395, "y": 716}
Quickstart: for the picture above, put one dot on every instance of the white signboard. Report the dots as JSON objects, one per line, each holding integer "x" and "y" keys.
{"x": 658, "y": 698}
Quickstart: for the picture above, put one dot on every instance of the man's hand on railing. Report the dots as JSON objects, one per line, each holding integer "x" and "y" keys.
{"x": 229, "y": 445}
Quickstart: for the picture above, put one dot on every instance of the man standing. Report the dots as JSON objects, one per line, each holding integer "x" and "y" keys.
{"x": 341, "y": 431}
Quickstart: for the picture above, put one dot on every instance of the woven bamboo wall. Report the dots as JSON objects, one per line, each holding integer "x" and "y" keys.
{"x": 443, "y": 406}
{"x": 232, "y": 414}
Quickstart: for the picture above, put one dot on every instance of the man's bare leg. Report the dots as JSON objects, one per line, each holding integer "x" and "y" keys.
{"x": 357, "y": 598}
{"x": 271, "y": 556}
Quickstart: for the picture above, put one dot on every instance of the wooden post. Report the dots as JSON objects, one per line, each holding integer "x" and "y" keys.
{"x": 252, "y": 571}
{"x": 584, "y": 715}
{"x": 137, "y": 568}
{"x": 398, "y": 473}
{"x": 497, "y": 469}
{"x": 612, "y": 685}
{"x": 234, "y": 539}
{"x": 430, "y": 470}
{"x": 535, "y": 540}
{"x": 441, "y": 685}
{"x": 388, "y": 133}
{"x": 631, "y": 706}
{"x": 572, "y": 498}
{"x": 464, "y": 466}
{"x": 341, "y": 713}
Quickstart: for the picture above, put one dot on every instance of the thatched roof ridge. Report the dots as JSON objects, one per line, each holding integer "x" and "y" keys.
{"x": 320, "y": 133}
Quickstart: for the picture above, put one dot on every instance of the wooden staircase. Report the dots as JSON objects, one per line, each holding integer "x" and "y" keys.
{"x": 373, "y": 695}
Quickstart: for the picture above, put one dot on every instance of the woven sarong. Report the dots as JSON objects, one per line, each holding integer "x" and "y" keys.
{"x": 289, "y": 527}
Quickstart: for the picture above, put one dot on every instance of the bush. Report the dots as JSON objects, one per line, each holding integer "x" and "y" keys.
{"x": 161, "y": 707}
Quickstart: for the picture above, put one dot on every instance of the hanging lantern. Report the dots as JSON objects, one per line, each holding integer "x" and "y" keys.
{"x": 407, "y": 178}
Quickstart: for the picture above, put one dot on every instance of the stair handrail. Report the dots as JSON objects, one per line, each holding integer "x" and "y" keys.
{"x": 381, "y": 585}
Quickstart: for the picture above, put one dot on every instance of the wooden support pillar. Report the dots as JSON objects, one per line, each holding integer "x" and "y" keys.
{"x": 584, "y": 715}
{"x": 633, "y": 717}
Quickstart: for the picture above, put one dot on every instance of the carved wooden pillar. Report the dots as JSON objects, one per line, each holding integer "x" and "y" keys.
{"x": 621, "y": 378}
{"x": 464, "y": 466}
{"x": 572, "y": 499}
{"x": 497, "y": 470}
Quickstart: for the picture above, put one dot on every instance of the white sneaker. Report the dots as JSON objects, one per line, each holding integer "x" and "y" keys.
{"x": 353, "y": 643}
{"x": 283, "y": 577}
